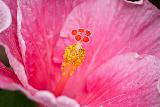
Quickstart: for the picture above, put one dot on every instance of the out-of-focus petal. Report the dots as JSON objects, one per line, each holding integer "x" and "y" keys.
{"x": 127, "y": 80}
{"x": 5, "y": 16}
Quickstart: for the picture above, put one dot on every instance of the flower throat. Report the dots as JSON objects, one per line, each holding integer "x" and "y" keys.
{"x": 73, "y": 57}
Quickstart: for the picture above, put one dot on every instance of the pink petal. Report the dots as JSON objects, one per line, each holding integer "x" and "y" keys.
{"x": 8, "y": 37}
{"x": 18, "y": 68}
{"x": 117, "y": 27}
{"x": 7, "y": 73}
{"x": 23, "y": 47}
{"x": 127, "y": 80}
{"x": 40, "y": 23}
{"x": 9, "y": 81}
{"x": 9, "y": 40}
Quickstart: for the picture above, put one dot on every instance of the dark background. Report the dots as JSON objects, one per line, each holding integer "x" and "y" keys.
{"x": 14, "y": 99}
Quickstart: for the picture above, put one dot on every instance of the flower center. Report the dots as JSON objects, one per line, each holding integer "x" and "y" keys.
{"x": 73, "y": 57}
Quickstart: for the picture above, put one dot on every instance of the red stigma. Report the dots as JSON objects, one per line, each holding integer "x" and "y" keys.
{"x": 82, "y": 35}
{"x": 88, "y": 33}
{"x": 78, "y": 37}
{"x": 81, "y": 30}
{"x": 74, "y": 32}
{"x": 85, "y": 39}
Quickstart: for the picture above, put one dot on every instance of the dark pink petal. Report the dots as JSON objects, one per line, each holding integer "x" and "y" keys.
{"x": 127, "y": 80}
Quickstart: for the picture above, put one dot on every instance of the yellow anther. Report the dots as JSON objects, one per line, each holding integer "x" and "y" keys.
{"x": 74, "y": 55}
{"x": 73, "y": 58}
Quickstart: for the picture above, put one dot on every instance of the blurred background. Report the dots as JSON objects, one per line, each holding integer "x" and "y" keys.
{"x": 12, "y": 98}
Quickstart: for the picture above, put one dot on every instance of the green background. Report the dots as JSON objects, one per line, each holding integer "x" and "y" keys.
{"x": 14, "y": 99}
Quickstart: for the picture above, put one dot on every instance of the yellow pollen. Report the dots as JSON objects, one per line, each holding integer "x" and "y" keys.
{"x": 73, "y": 57}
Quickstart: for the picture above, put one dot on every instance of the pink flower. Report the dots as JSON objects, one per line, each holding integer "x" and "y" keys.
{"x": 121, "y": 67}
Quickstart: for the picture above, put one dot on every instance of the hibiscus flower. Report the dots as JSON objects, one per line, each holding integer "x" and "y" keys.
{"x": 89, "y": 53}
